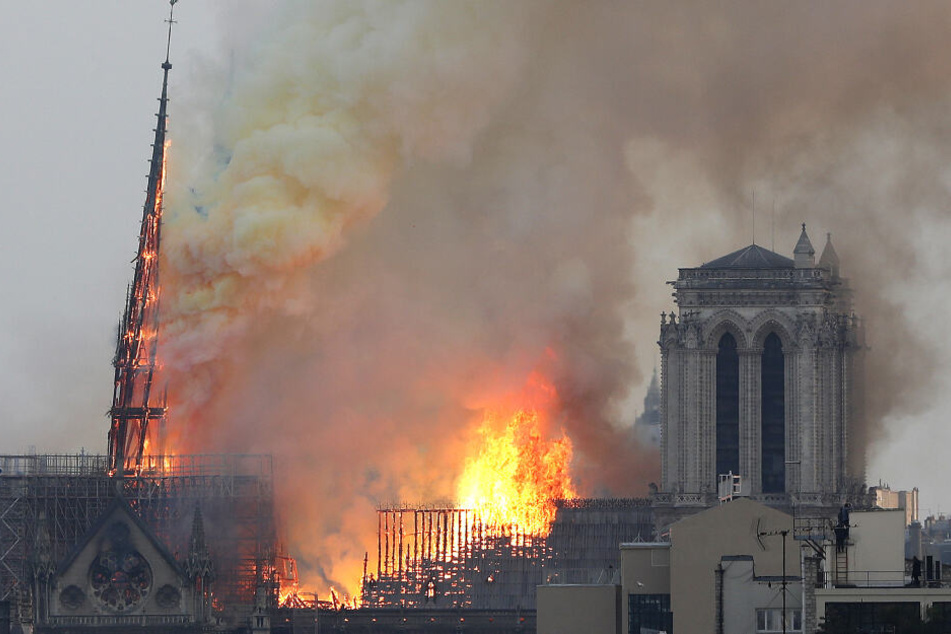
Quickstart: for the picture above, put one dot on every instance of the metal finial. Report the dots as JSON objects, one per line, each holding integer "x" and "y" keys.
{"x": 772, "y": 226}
{"x": 753, "y": 205}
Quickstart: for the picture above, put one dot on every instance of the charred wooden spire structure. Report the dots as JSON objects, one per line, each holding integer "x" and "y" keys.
{"x": 136, "y": 403}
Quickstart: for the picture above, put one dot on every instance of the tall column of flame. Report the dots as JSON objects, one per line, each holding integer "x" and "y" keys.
{"x": 516, "y": 475}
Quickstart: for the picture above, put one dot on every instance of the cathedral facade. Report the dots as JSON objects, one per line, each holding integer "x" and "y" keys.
{"x": 761, "y": 382}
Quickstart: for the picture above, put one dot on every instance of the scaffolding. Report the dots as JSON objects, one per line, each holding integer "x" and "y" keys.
{"x": 448, "y": 558}
{"x": 69, "y": 492}
{"x": 588, "y": 532}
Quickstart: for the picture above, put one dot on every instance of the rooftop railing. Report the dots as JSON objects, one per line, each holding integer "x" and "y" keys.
{"x": 868, "y": 579}
{"x": 152, "y": 466}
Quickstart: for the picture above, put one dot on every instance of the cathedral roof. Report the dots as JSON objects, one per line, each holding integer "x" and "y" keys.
{"x": 751, "y": 257}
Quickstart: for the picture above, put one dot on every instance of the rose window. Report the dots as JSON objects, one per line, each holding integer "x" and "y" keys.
{"x": 119, "y": 575}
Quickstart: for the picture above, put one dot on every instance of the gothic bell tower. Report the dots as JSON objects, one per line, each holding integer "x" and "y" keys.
{"x": 761, "y": 375}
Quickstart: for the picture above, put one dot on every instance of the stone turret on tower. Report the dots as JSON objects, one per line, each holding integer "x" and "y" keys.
{"x": 647, "y": 424}
{"x": 829, "y": 260}
{"x": 805, "y": 254}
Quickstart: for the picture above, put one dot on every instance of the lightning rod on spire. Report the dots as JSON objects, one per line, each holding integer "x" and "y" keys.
{"x": 170, "y": 21}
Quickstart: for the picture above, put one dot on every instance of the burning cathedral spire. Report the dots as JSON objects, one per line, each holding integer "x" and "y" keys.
{"x": 136, "y": 401}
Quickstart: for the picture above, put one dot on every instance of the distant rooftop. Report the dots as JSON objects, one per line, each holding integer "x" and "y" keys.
{"x": 751, "y": 257}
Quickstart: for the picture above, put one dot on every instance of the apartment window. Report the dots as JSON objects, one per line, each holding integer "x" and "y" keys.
{"x": 650, "y": 612}
{"x": 940, "y": 612}
{"x": 771, "y": 620}
{"x": 870, "y": 616}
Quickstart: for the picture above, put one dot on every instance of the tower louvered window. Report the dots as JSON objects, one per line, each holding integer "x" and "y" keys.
{"x": 773, "y": 410}
{"x": 728, "y": 406}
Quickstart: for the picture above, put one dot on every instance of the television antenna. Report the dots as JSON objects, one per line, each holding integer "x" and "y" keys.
{"x": 784, "y": 532}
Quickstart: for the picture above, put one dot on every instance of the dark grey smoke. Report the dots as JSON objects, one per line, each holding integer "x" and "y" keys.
{"x": 627, "y": 145}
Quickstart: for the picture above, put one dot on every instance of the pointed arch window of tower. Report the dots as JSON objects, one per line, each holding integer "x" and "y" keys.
{"x": 773, "y": 412}
{"x": 728, "y": 406}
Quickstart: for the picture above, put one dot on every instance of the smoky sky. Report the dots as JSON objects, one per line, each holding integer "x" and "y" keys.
{"x": 534, "y": 183}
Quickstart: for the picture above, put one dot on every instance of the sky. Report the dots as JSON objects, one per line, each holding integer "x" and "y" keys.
{"x": 81, "y": 83}
{"x": 80, "y": 87}
{"x": 613, "y": 144}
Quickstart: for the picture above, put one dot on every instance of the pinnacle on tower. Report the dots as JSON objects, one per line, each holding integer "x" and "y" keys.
{"x": 198, "y": 562}
{"x": 829, "y": 259}
{"x": 805, "y": 255}
{"x": 199, "y": 567}
{"x": 652, "y": 399}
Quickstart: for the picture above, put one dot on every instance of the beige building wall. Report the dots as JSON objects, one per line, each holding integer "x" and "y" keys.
{"x": 745, "y": 591}
{"x": 885, "y": 498}
{"x": 879, "y": 538}
{"x": 876, "y": 549}
{"x": 645, "y": 569}
{"x": 578, "y": 609}
{"x": 698, "y": 543}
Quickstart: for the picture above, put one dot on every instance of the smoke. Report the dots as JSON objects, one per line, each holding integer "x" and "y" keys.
{"x": 408, "y": 207}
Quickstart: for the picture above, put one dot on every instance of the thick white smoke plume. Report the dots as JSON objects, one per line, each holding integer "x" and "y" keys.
{"x": 490, "y": 180}
{"x": 503, "y": 247}
{"x": 335, "y": 102}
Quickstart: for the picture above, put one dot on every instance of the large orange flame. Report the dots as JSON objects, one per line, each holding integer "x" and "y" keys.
{"x": 517, "y": 473}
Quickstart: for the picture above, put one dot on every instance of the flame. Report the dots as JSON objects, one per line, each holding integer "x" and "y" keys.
{"x": 291, "y": 596}
{"x": 287, "y": 597}
{"x": 517, "y": 474}
{"x": 343, "y": 601}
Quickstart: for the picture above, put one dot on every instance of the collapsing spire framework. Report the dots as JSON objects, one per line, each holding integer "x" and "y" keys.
{"x": 135, "y": 404}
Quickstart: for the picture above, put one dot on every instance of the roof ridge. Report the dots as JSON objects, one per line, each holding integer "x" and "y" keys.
{"x": 752, "y": 256}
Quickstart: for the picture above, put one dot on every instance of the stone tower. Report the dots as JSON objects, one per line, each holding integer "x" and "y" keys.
{"x": 761, "y": 378}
